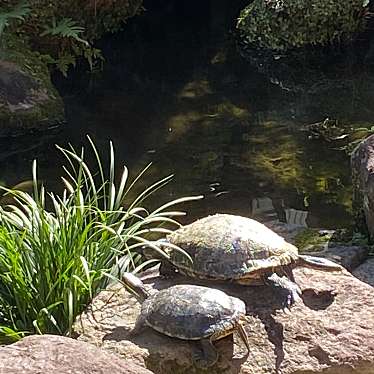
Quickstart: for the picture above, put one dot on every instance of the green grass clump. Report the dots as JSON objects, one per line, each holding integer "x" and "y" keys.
{"x": 58, "y": 252}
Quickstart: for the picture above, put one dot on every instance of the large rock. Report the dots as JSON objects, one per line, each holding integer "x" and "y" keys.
{"x": 362, "y": 163}
{"x": 331, "y": 332}
{"x": 51, "y": 354}
{"x": 28, "y": 100}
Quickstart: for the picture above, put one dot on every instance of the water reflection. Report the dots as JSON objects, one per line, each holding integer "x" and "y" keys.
{"x": 263, "y": 210}
{"x": 296, "y": 218}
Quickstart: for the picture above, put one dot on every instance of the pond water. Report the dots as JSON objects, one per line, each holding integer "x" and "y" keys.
{"x": 182, "y": 98}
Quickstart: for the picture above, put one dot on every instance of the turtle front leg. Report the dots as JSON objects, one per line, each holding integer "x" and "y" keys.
{"x": 289, "y": 290}
{"x": 206, "y": 356}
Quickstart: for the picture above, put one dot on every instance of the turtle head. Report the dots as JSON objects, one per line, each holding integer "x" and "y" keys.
{"x": 154, "y": 250}
{"x": 135, "y": 286}
{"x": 319, "y": 263}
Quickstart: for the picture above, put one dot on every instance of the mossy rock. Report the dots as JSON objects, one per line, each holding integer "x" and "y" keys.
{"x": 28, "y": 100}
{"x": 281, "y": 25}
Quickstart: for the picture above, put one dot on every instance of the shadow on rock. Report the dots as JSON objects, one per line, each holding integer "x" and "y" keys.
{"x": 275, "y": 335}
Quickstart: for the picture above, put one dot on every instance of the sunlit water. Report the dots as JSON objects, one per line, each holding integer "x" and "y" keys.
{"x": 193, "y": 108}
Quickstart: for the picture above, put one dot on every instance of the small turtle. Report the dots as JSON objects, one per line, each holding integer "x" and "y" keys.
{"x": 190, "y": 312}
{"x": 226, "y": 247}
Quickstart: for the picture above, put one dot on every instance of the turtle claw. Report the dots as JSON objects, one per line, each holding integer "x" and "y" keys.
{"x": 290, "y": 292}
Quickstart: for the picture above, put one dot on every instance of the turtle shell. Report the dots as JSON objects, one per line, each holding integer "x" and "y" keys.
{"x": 192, "y": 312}
{"x": 227, "y": 247}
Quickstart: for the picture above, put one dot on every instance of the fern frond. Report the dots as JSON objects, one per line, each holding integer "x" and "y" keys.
{"x": 66, "y": 28}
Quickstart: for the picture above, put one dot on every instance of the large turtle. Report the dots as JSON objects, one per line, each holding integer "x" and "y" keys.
{"x": 233, "y": 248}
{"x": 190, "y": 312}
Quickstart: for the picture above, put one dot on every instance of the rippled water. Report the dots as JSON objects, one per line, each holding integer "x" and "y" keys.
{"x": 191, "y": 106}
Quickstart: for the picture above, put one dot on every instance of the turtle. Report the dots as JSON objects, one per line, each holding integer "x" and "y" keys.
{"x": 225, "y": 247}
{"x": 190, "y": 312}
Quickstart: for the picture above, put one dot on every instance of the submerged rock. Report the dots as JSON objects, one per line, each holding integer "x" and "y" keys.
{"x": 332, "y": 331}
{"x": 51, "y": 354}
{"x": 28, "y": 100}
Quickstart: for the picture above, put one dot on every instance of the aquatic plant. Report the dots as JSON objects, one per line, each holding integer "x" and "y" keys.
{"x": 58, "y": 251}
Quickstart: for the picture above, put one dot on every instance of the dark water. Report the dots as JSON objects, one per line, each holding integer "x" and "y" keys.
{"x": 178, "y": 95}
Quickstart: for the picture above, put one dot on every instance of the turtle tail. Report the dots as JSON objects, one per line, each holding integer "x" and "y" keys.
{"x": 135, "y": 286}
{"x": 318, "y": 263}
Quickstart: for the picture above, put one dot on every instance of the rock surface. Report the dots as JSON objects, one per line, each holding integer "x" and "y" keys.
{"x": 27, "y": 100}
{"x": 362, "y": 163}
{"x": 365, "y": 272}
{"x": 332, "y": 331}
{"x": 51, "y": 354}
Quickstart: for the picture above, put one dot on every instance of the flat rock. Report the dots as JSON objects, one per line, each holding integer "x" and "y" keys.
{"x": 332, "y": 331}
{"x": 365, "y": 272}
{"x": 51, "y": 354}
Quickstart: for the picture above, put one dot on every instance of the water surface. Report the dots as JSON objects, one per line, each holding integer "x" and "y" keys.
{"x": 184, "y": 100}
